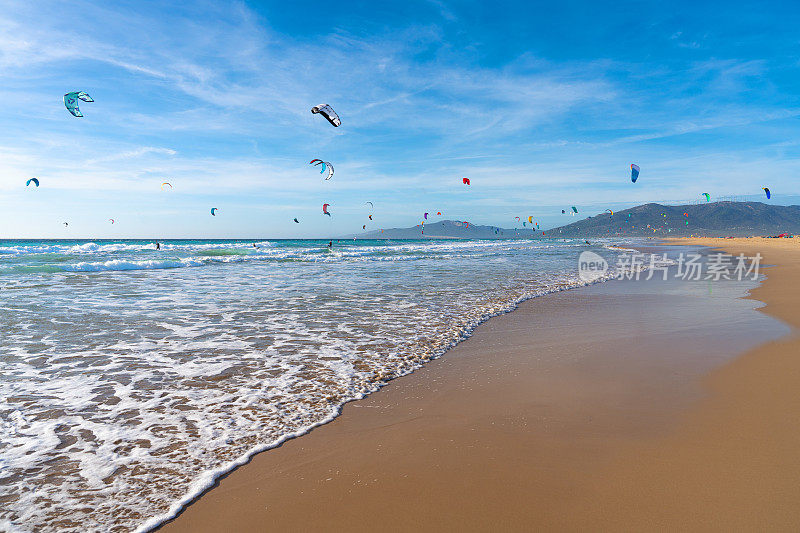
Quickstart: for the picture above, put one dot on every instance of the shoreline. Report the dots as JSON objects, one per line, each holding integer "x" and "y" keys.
{"x": 212, "y": 478}
{"x": 280, "y": 477}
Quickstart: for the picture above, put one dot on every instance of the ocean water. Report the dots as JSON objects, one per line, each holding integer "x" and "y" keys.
{"x": 131, "y": 377}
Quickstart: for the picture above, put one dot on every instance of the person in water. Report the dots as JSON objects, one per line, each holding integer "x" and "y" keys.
{"x": 330, "y": 244}
{"x": 254, "y": 245}
{"x": 158, "y": 246}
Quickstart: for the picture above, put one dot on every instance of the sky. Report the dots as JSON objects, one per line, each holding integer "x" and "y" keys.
{"x": 543, "y": 105}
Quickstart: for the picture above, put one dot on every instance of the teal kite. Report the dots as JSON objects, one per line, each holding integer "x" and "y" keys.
{"x": 32, "y": 180}
{"x": 71, "y": 102}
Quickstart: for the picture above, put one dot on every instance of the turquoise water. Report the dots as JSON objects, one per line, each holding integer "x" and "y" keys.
{"x": 132, "y": 377}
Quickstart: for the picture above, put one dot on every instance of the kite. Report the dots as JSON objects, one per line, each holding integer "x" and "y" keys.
{"x": 296, "y": 221}
{"x": 438, "y": 212}
{"x": 634, "y": 172}
{"x": 530, "y": 219}
{"x": 563, "y": 212}
{"x": 32, "y": 180}
{"x": 370, "y": 204}
{"x": 112, "y": 220}
{"x": 370, "y": 217}
{"x": 425, "y": 216}
{"x": 325, "y": 166}
{"x": 325, "y": 209}
{"x": 766, "y": 190}
{"x": 465, "y": 181}
{"x": 66, "y": 223}
{"x": 708, "y": 196}
{"x": 166, "y": 183}
{"x": 610, "y": 211}
{"x": 574, "y": 209}
{"x": 214, "y": 211}
{"x": 71, "y": 102}
{"x": 516, "y": 218}
{"x": 364, "y": 226}
{"x": 327, "y": 111}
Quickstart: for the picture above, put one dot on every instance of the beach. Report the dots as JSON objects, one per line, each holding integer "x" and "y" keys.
{"x": 626, "y": 405}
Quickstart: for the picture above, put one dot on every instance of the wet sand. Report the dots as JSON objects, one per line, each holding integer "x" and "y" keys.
{"x": 626, "y": 405}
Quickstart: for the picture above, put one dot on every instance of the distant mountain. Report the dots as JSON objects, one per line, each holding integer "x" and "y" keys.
{"x": 715, "y": 219}
{"x": 446, "y": 229}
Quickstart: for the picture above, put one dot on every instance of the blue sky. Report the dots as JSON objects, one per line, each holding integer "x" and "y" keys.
{"x": 542, "y": 105}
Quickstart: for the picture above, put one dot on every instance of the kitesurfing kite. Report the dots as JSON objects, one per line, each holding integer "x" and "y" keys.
{"x": 766, "y": 190}
{"x": 214, "y": 211}
{"x": 563, "y": 212}
{"x": 66, "y": 223}
{"x": 326, "y": 166}
{"x": 166, "y": 183}
{"x": 325, "y": 209}
{"x": 574, "y": 209}
{"x": 112, "y": 220}
{"x": 708, "y": 196}
{"x": 425, "y": 216}
{"x": 465, "y": 181}
{"x": 364, "y": 226}
{"x": 634, "y": 172}
{"x": 370, "y": 204}
{"x": 530, "y": 219}
{"x": 327, "y": 111}
{"x": 296, "y": 221}
{"x": 71, "y": 102}
{"x": 439, "y": 213}
{"x": 32, "y": 180}
{"x": 610, "y": 211}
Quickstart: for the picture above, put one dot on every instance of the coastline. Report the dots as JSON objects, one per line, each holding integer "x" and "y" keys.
{"x": 539, "y": 433}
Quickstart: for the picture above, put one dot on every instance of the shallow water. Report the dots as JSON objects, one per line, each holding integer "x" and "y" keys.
{"x": 132, "y": 376}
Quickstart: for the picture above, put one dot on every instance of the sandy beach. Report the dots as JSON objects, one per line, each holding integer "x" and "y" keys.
{"x": 626, "y": 405}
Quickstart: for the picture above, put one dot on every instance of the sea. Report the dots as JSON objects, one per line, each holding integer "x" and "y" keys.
{"x": 132, "y": 377}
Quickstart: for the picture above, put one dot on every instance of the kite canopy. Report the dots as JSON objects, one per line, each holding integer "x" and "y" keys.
{"x": 563, "y": 212}
{"x": 214, "y": 211}
{"x": 530, "y": 219}
{"x": 465, "y": 181}
{"x": 327, "y": 111}
{"x": 166, "y": 183}
{"x": 326, "y": 166}
{"x": 708, "y": 196}
{"x": 610, "y": 211}
{"x": 766, "y": 190}
{"x": 112, "y": 220}
{"x": 296, "y": 221}
{"x": 71, "y": 102}
{"x": 32, "y": 180}
{"x": 325, "y": 209}
{"x": 425, "y": 216}
{"x": 438, "y": 212}
{"x": 364, "y": 226}
{"x": 574, "y": 209}
{"x": 370, "y": 204}
{"x": 634, "y": 172}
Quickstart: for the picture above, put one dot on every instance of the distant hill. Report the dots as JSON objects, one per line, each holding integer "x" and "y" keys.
{"x": 715, "y": 219}
{"x": 446, "y": 229}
